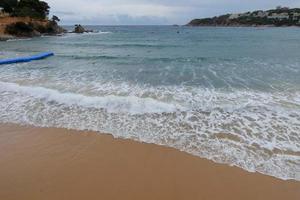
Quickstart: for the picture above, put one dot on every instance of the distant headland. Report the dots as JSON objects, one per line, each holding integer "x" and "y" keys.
{"x": 27, "y": 18}
{"x": 281, "y": 16}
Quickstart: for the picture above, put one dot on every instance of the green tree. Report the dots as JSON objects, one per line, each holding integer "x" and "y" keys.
{"x": 8, "y": 5}
{"x": 55, "y": 19}
{"x": 32, "y": 8}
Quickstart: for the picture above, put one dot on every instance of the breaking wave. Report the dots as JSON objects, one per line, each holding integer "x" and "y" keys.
{"x": 252, "y": 130}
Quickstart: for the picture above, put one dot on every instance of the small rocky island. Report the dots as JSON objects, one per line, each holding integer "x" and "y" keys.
{"x": 281, "y": 16}
{"x": 27, "y": 18}
{"x": 80, "y": 29}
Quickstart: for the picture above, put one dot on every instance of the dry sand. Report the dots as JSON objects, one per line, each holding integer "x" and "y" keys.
{"x": 58, "y": 164}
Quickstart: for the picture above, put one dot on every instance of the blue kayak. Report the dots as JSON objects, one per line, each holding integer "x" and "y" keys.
{"x": 26, "y": 59}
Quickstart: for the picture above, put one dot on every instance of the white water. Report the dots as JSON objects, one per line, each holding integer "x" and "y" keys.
{"x": 111, "y": 103}
{"x": 253, "y": 130}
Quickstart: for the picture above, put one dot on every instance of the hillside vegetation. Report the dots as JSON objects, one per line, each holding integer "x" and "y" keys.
{"x": 27, "y": 18}
{"x": 281, "y": 16}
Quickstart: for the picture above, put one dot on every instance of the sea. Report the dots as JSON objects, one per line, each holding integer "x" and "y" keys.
{"x": 230, "y": 95}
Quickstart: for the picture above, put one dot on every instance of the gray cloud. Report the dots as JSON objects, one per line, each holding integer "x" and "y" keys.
{"x": 132, "y": 12}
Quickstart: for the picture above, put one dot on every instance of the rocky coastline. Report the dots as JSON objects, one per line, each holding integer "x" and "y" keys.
{"x": 26, "y": 19}
{"x": 26, "y": 27}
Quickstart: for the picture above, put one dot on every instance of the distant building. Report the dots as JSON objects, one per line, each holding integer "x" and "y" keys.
{"x": 296, "y": 16}
{"x": 1, "y": 11}
{"x": 279, "y": 16}
{"x": 234, "y": 16}
{"x": 261, "y": 14}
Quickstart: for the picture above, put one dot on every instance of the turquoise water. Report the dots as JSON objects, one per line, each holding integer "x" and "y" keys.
{"x": 231, "y": 95}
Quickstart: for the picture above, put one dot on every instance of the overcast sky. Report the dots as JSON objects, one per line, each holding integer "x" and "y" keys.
{"x": 153, "y": 12}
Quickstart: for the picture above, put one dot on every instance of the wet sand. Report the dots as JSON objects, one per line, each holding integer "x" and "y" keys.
{"x": 59, "y": 164}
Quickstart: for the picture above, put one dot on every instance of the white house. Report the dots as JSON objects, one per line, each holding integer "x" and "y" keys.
{"x": 262, "y": 14}
{"x": 279, "y": 16}
{"x": 1, "y": 11}
{"x": 296, "y": 16}
{"x": 234, "y": 16}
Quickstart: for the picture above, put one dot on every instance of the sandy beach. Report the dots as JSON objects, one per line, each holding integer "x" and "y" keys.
{"x": 137, "y": 103}
{"x": 49, "y": 163}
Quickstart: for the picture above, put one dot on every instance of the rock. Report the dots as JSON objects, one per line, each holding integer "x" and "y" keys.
{"x": 53, "y": 29}
{"x": 21, "y": 29}
{"x": 6, "y": 37}
{"x": 79, "y": 29}
{"x": 35, "y": 33}
{"x": 32, "y": 29}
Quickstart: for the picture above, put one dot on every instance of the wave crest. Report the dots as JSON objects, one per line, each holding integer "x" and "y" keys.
{"x": 111, "y": 103}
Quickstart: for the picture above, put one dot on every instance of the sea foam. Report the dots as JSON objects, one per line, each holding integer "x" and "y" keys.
{"x": 111, "y": 103}
{"x": 252, "y": 130}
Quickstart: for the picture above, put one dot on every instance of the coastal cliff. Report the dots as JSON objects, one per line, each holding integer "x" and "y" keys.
{"x": 26, "y": 18}
{"x": 281, "y": 16}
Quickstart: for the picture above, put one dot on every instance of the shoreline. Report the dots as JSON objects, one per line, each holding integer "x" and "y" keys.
{"x": 243, "y": 26}
{"x": 52, "y": 163}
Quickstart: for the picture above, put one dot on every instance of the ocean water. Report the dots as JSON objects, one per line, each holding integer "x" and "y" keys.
{"x": 231, "y": 95}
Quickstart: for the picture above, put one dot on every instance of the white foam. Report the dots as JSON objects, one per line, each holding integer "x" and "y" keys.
{"x": 70, "y": 34}
{"x": 111, "y": 103}
{"x": 99, "y": 32}
{"x": 19, "y": 39}
{"x": 256, "y": 131}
